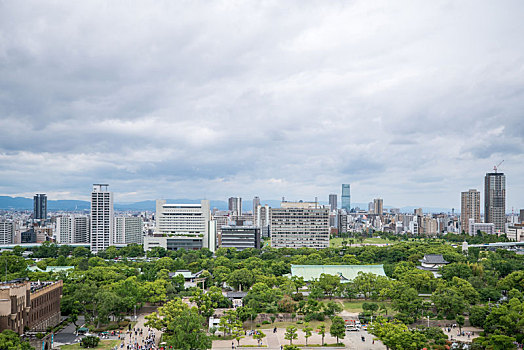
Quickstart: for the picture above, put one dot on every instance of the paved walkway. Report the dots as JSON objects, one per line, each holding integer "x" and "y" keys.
{"x": 131, "y": 338}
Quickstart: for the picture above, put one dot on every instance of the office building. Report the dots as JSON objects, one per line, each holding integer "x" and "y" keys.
{"x": 181, "y": 226}
{"x": 521, "y": 216}
{"x": 299, "y": 226}
{"x": 378, "y": 206}
{"x": 72, "y": 229}
{"x": 346, "y": 197}
{"x": 342, "y": 222}
{"x": 102, "y": 218}
{"x": 40, "y": 207}
{"x": 333, "y": 205}
{"x": 129, "y": 230}
{"x": 7, "y": 232}
{"x": 469, "y": 208}
{"x": 262, "y": 219}
{"x": 256, "y": 203}
{"x": 32, "y": 306}
{"x": 516, "y": 233}
{"x": 475, "y": 227}
{"x": 495, "y": 200}
{"x": 235, "y": 205}
{"x": 240, "y": 237}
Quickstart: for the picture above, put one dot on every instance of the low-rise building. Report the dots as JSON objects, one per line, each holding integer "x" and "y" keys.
{"x": 475, "y": 227}
{"x": 240, "y": 237}
{"x": 433, "y": 263}
{"x": 34, "y": 306}
{"x": 516, "y": 233}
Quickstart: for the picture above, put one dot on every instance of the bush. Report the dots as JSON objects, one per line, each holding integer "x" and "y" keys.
{"x": 298, "y": 296}
{"x": 123, "y": 323}
{"x": 257, "y": 325}
{"x": 266, "y": 322}
{"x": 89, "y": 342}
{"x": 300, "y": 322}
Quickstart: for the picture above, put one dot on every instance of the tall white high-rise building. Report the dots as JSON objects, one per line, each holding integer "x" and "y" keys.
{"x": 7, "y": 232}
{"x": 128, "y": 230}
{"x": 72, "y": 229}
{"x": 102, "y": 218}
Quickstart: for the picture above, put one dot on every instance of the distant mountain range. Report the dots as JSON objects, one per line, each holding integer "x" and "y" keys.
{"x": 21, "y": 203}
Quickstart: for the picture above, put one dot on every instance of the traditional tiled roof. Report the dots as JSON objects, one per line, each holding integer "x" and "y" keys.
{"x": 433, "y": 259}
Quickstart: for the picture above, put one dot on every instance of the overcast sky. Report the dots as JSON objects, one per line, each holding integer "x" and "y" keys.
{"x": 411, "y": 101}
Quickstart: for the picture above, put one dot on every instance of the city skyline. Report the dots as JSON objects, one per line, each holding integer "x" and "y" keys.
{"x": 409, "y": 102}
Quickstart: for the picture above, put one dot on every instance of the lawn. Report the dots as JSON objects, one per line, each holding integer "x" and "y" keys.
{"x": 103, "y": 345}
{"x": 356, "y": 306}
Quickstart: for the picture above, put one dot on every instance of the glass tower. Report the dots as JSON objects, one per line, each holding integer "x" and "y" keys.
{"x": 346, "y": 197}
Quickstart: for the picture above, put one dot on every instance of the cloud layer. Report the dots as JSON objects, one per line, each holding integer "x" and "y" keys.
{"x": 407, "y": 100}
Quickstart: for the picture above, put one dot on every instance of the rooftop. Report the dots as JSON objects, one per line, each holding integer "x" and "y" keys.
{"x": 346, "y": 272}
{"x": 434, "y": 259}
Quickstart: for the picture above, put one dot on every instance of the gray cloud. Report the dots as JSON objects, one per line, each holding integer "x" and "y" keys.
{"x": 409, "y": 101}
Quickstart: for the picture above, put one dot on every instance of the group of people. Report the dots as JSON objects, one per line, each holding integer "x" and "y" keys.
{"x": 137, "y": 340}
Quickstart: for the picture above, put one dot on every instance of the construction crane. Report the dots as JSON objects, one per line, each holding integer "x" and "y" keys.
{"x": 496, "y": 166}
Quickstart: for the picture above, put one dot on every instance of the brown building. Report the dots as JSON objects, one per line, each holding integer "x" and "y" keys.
{"x": 30, "y": 306}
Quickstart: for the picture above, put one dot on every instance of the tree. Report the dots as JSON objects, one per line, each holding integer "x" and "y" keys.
{"x": 338, "y": 328}
{"x": 500, "y": 342}
{"x": 307, "y": 330}
{"x": 396, "y": 335}
{"x": 184, "y": 328}
{"x": 89, "y": 342}
{"x": 291, "y": 333}
{"x": 322, "y": 332}
{"x": 259, "y": 335}
{"x": 10, "y": 340}
{"x": 241, "y": 279}
{"x": 329, "y": 284}
{"x": 460, "y": 321}
{"x": 238, "y": 331}
{"x": 298, "y": 282}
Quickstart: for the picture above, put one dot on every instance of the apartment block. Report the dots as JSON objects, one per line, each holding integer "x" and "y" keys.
{"x": 299, "y": 226}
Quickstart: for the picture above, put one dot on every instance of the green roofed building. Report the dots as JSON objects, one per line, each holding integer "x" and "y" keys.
{"x": 346, "y": 272}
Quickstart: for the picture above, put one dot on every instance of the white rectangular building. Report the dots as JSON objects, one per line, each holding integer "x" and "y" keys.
{"x": 72, "y": 229}
{"x": 474, "y": 227}
{"x": 181, "y": 226}
{"x": 7, "y": 232}
{"x": 128, "y": 230}
{"x": 102, "y": 218}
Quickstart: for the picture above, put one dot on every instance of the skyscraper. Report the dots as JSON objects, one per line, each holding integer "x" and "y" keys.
{"x": 256, "y": 203}
{"x": 333, "y": 202}
{"x": 469, "y": 208}
{"x": 102, "y": 218}
{"x": 40, "y": 206}
{"x": 495, "y": 200}
{"x": 235, "y": 205}
{"x": 346, "y": 197}
{"x": 378, "y": 206}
